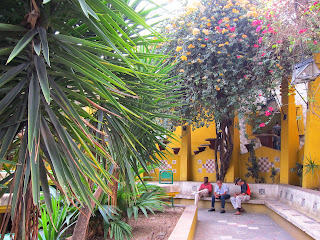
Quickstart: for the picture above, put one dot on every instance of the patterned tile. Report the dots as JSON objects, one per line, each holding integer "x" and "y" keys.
{"x": 232, "y": 223}
{"x": 199, "y": 161}
{"x": 174, "y": 170}
{"x": 242, "y": 225}
{"x": 209, "y": 165}
{"x": 199, "y": 170}
{"x": 264, "y": 164}
{"x": 303, "y": 201}
{"x": 276, "y": 159}
{"x": 174, "y": 161}
{"x": 222, "y": 221}
{"x": 165, "y": 165}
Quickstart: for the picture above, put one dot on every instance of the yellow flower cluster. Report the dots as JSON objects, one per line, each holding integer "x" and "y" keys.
{"x": 252, "y": 14}
{"x": 226, "y": 19}
{"x": 191, "y": 46}
{"x": 235, "y": 20}
{"x": 203, "y": 18}
{"x": 184, "y": 58}
{"x": 235, "y": 10}
{"x": 208, "y": 24}
{"x": 224, "y": 30}
{"x": 205, "y": 31}
{"x": 221, "y": 45}
{"x": 244, "y": 36}
{"x": 178, "y": 49}
{"x": 229, "y": 5}
{"x": 188, "y": 53}
{"x": 195, "y": 31}
{"x": 203, "y": 45}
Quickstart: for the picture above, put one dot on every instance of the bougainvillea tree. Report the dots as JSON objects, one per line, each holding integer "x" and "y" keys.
{"x": 223, "y": 71}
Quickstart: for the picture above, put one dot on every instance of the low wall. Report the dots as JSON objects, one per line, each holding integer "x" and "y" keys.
{"x": 186, "y": 226}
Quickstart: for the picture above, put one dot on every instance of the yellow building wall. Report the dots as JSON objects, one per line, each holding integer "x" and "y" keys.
{"x": 199, "y": 136}
{"x": 312, "y": 137}
{"x": 268, "y": 158}
{"x": 170, "y": 160}
{"x": 203, "y": 166}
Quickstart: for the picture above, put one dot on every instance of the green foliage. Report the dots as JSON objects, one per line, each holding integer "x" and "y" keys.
{"x": 218, "y": 58}
{"x": 273, "y": 174}
{"x": 77, "y": 95}
{"x": 253, "y": 166}
{"x": 53, "y": 226}
{"x": 298, "y": 169}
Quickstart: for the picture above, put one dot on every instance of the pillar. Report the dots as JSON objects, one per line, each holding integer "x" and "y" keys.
{"x": 289, "y": 135}
{"x": 185, "y": 153}
{"x": 312, "y": 137}
{"x": 233, "y": 170}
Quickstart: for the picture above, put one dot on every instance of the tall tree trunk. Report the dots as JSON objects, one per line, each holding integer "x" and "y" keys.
{"x": 224, "y": 140}
{"x": 80, "y": 230}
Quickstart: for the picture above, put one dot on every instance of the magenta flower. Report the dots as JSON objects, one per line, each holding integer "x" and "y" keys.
{"x": 270, "y": 71}
{"x": 256, "y": 45}
{"x": 303, "y": 30}
{"x": 265, "y": 31}
{"x": 206, "y": 39}
{"x": 256, "y": 22}
{"x": 270, "y": 109}
{"x": 262, "y": 125}
{"x": 263, "y": 54}
{"x": 315, "y": 42}
{"x": 258, "y": 28}
{"x": 232, "y": 29}
{"x": 238, "y": 56}
{"x": 268, "y": 113}
{"x": 220, "y": 22}
{"x": 260, "y": 40}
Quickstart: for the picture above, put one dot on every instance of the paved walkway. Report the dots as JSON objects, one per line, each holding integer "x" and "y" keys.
{"x": 248, "y": 226}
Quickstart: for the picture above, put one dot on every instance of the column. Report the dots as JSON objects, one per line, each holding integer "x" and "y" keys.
{"x": 185, "y": 153}
{"x": 289, "y": 135}
{"x": 312, "y": 137}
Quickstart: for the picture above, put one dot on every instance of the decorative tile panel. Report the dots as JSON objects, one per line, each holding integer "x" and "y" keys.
{"x": 199, "y": 170}
{"x": 174, "y": 161}
{"x": 199, "y": 161}
{"x": 262, "y": 192}
{"x": 276, "y": 159}
{"x": 209, "y": 165}
{"x": 264, "y": 164}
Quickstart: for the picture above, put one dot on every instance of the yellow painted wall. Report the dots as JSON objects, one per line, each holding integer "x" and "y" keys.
{"x": 171, "y": 161}
{"x": 269, "y": 157}
{"x": 199, "y": 135}
{"x": 203, "y": 166}
{"x": 312, "y": 137}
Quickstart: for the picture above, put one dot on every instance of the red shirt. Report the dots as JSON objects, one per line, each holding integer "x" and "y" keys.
{"x": 206, "y": 186}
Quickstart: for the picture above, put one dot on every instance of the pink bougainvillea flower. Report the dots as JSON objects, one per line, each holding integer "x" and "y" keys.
{"x": 315, "y": 42}
{"x": 206, "y": 39}
{"x": 256, "y": 22}
{"x": 260, "y": 40}
{"x": 220, "y": 21}
{"x": 260, "y": 95}
{"x": 315, "y": 3}
{"x": 258, "y": 28}
{"x": 217, "y": 27}
{"x": 232, "y": 29}
{"x": 238, "y": 56}
{"x": 256, "y": 45}
{"x": 245, "y": 76}
{"x": 270, "y": 109}
{"x": 268, "y": 113}
{"x": 260, "y": 63}
{"x": 271, "y": 30}
{"x": 262, "y": 125}
{"x": 263, "y": 54}
{"x": 270, "y": 71}
{"x": 265, "y": 31}
{"x": 279, "y": 41}
{"x": 303, "y": 30}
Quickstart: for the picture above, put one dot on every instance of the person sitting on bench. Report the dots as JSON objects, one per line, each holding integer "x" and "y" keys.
{"x": 204, "y": 190}
{"x": 220, "y": 192}
{"x": 244, "y": 195}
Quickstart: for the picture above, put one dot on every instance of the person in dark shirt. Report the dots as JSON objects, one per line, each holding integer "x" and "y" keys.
{"x": 244, "y": 195}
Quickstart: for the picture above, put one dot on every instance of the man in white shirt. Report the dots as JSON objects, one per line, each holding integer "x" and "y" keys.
{"x": 220, "y": 192}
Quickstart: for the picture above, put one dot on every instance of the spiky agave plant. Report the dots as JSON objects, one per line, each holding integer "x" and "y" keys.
{"x": 57, "y": 58}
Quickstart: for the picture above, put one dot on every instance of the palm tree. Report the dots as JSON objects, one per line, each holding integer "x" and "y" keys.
{"x": 58, "y": 58}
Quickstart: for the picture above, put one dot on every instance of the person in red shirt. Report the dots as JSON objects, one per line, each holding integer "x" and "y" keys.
{"x": 204, "y": 190}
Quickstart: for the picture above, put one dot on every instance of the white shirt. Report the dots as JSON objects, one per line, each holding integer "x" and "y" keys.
{"x": 224, "y": 189}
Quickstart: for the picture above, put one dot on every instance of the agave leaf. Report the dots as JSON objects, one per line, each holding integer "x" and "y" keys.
{"x": 22, "y": 43}
{"x": 11, "y": 28}
{"x": 44, "y": 42}
{"x": 11, "y": 73}
{"x": 43, "y": 77}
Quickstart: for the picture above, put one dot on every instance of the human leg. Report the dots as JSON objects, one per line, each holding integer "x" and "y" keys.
{"x": 239, "y": 199}
{"x": 199, "y": 194}
{"x": 234, "y": 202}
{"x": 223, "y": 200}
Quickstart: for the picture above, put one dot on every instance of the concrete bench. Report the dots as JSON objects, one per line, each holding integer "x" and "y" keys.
{"x": 251, "y": 201}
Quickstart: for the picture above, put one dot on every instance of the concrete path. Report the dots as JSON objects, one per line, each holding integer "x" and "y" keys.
{"x": 248, "y": 226}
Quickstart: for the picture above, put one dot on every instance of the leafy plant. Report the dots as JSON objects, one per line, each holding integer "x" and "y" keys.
{"x": 273, "y": 175}
{"x": 53, "y": 226}
{"x": 298, "y": 169}
{"x": 312, "y": 167}
{"x": 57, "y": 59}
{"x": 253, "y": 166}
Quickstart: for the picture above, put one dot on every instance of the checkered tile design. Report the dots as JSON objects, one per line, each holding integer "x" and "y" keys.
{"x": 264, "y": 164}
{"x": 209, "y": 165}
{"x": 165, "y": 165}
